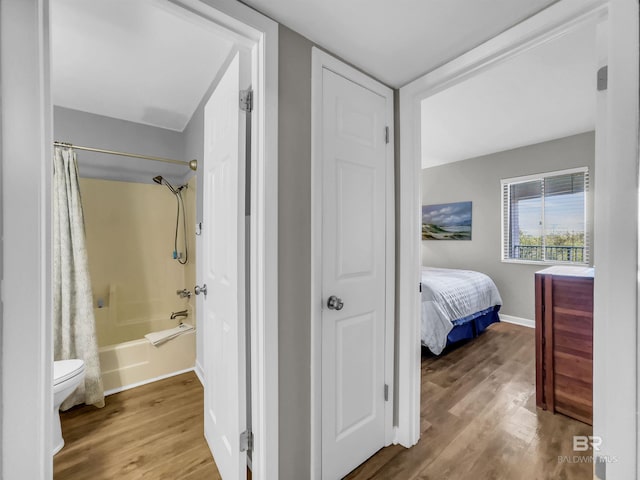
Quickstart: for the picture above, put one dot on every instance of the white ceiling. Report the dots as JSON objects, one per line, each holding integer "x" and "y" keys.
{"x": 149, "y": 62}
{"x": 397, "y": 41}
{"x": 546, "y": 93}
{"x": 144, "y": 61}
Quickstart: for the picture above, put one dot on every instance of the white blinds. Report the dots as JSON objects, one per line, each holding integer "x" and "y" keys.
{"x": 544, "y": 217}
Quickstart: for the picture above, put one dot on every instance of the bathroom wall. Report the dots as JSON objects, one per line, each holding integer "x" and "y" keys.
{"x": 130, "y": 222}
{"x": 130, "y": 239}
{"x": 190, "y": 196}
{"x": 88, "y": 129}
{"x": 194, "y": 148}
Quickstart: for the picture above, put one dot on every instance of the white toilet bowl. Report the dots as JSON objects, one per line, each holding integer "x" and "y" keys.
{"x": 67, "y": 375}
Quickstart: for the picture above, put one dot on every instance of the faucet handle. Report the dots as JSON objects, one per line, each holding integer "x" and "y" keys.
{"x": 184, "y": 293}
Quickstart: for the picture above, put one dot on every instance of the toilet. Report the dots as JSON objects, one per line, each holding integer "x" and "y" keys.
{"x": 67, "y": 375}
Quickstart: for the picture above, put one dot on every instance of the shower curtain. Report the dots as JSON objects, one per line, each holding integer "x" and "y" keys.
{"x": 74, "y": 326}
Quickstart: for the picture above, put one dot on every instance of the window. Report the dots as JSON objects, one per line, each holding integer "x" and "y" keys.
{"x": 544, "y": 217}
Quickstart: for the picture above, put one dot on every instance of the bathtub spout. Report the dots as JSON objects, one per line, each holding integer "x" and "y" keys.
{"x": 182, "y": 313}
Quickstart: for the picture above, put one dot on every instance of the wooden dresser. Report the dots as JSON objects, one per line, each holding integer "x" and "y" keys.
{"x": 564, "y": 341}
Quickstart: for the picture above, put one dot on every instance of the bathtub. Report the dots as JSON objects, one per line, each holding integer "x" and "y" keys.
{"x": 134, "y": 363}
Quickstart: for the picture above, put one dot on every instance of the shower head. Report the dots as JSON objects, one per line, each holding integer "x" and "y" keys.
{"x": 161, "y": 181}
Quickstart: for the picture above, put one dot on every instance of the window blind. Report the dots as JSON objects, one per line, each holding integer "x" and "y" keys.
{"x": 544, "y": 218}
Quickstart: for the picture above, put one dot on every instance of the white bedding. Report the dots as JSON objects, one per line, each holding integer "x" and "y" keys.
{"x": 448, "y": 295}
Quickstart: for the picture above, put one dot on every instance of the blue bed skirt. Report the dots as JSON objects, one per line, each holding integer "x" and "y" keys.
{"x": 470, "y": 327}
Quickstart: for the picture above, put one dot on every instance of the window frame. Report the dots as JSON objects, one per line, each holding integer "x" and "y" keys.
{"x": 506, "y": 216}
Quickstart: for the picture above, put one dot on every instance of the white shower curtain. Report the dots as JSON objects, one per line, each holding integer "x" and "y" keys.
{"x": 74, "y": 326}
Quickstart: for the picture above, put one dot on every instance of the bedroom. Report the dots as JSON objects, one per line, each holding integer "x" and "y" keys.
{"x": 498, "y": 127}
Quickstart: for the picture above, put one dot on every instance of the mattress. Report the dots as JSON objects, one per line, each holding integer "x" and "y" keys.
{"x": 449, "y": 297}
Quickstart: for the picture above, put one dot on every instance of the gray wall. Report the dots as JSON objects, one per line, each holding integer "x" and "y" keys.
{"x": 194, "y": 147}
{"x": 294, "y": 253}
{"x": 92, "y": 130}
{"x": 194, "y": 131}
{"x": 478, "y": 180}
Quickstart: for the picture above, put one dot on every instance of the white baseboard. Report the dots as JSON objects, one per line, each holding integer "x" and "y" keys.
{"x": 525, "y": 322}
{"x": 144, "y": 382}
{"x": 199, "y": 372}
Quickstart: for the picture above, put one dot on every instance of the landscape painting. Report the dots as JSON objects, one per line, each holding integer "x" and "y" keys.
{"x": 446, "y": 221}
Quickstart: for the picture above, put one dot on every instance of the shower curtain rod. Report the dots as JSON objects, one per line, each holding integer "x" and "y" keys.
{"x": 193, "y": 164}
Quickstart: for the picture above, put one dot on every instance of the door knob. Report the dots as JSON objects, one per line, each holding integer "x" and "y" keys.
{"x": 335, "y": 303}
{"x": 200, "y": 289}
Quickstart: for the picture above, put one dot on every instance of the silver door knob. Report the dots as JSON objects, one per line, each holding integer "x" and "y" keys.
{"x": 200, "y": 289}
{"x": 335, "y": 303}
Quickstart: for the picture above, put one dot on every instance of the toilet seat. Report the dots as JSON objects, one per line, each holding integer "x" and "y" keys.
{"x": 63, "y": 370}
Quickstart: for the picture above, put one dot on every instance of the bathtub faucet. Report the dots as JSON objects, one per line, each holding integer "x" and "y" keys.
{"x": 182, "y": 313}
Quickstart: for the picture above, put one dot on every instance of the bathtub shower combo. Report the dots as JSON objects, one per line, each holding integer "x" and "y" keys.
{"x": 145, "y": 350}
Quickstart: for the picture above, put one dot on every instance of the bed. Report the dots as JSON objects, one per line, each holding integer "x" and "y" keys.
{"x": 456, "y": 305}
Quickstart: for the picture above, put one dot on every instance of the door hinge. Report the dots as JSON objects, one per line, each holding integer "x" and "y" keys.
{"x": 246, "y": 100}
{"x": 386, "y": 392}
{"x": 246, "y": 441}
{"x": 199, "y": 228}
{"x": 603, "y": 78}
{"x": 386, "y": 134}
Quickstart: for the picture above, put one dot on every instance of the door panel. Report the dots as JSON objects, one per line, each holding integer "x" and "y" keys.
{"x": 223, "y": 241}
{"x": 355, "y": 189}
{"x": 355, "y": 383}
{"x": 353, "y": 269}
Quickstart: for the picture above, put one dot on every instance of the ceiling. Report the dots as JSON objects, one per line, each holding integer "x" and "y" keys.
{"x": 397, "y": 41}
{"x": 545, "y": 93}
{"x": 145, "y": 61}
{"x": 150, "y": 62}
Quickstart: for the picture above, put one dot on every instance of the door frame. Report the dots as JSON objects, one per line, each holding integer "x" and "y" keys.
{"x": 615, "y": 390}
{"x": 26, "y": 144}
{"x": 319, "y": 61}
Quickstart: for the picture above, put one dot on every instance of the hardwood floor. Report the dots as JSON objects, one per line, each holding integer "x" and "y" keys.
{"x": 479, "y": 419}
{"x": 479, "y": 422}
{"x": 150, "y": 432}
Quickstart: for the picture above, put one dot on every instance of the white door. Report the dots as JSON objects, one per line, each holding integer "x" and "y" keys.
{"x": 353, "y": 270}
{"x": 223, "y": 273}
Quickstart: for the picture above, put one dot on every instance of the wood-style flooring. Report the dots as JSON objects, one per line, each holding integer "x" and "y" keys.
{"x": 151, "y": 432}
{"x": 480, "y": 422}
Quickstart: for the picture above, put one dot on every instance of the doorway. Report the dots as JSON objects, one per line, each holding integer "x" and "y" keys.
{"x": 617, "y": 47}
{"x": 259, "y": 35}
